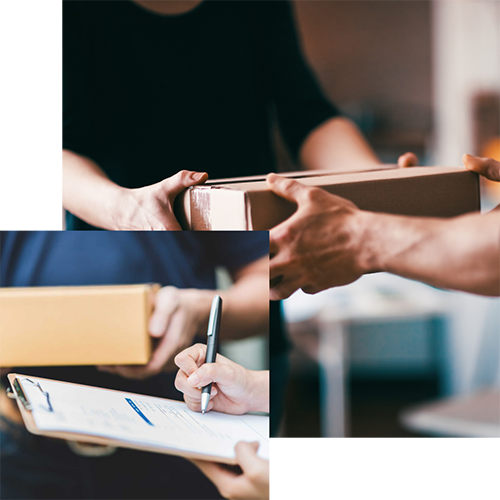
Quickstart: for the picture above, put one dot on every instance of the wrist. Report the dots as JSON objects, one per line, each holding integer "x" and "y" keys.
{"x": 121, "y": 207}
{"x": 90, "y": 194}
{"x": 259, "y": 391}
{"x": 369, "y": 255}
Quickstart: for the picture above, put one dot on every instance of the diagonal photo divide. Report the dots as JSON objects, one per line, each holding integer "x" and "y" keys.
{"x": 106, "y": 338}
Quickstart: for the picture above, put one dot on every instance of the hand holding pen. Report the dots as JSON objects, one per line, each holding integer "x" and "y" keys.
{"x": 235, "y": 389}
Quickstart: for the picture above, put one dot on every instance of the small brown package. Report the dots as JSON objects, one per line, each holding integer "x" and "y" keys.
{"x": 86, "y": 325}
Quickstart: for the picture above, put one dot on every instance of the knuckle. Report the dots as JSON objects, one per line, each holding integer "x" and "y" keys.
{"x": 285, "y": 236}
{"x": 278, "y": 237}
{"x": 184, "y": 176}
{"x": 312, "y": 195}
{"x": 311, "y": 290}
{"x": 178, "y": 383}
{"x": 290, "y": 234}
{"x": 180, "y": 361}
{"x": 167, "y": 293}
{"x": 180, "y": 358}
{"x": 208, "y": 370}
{"x": 200, "y": 348}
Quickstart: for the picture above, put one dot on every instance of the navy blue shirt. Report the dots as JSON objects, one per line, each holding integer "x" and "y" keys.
{"x": 180, "y": 259}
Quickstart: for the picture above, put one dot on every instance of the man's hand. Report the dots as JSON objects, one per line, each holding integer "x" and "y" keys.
{"x": 179, "y": 314}
{"x": 235, "y": 389}
{"x": 487, "y": 167}
{"x": 319, "y": 246}
{"x": 151, "y": 207}
{"x": 252, "y": 483}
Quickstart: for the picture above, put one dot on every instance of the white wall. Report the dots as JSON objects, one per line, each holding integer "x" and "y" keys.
{"x": 466, "y": 50}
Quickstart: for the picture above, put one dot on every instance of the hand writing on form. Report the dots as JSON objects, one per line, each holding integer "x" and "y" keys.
{"x": 235, "y": 389}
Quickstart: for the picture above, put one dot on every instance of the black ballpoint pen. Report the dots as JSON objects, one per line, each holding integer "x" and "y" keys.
{"x": 212, "y": 339}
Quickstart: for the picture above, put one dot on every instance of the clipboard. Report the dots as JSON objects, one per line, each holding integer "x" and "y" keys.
{"x": 26, "y": 408}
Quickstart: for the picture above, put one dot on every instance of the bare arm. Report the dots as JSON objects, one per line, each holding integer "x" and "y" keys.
{"x": 330, "y": 242}
{"x": 246, "y": 303}
{"x": 89, "y": 194}
{"x": 245, "y": 310}
{"x": 460, "y": 254}
{"x": 180, "y": 314}
{"x": 337, "y": 144}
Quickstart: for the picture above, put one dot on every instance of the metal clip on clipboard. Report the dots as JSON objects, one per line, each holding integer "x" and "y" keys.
{"x": 22, "y": 397}
{"x": 82, "y": 449}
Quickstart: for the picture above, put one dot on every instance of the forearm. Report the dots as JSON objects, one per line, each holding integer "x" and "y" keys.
{"x": 246, "y": 304}
{"x": 337, "y": 145}
{"x": 245, "y": 309}
{"x": 459, "y": 254}
{"x": 87, "y": 191}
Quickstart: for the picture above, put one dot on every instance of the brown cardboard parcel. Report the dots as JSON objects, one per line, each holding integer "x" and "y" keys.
{"x": 248, "y": 204}
{"x": 88, "y": 325}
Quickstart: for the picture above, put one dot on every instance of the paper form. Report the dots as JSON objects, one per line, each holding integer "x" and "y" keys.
{"x": 143, "y": 420}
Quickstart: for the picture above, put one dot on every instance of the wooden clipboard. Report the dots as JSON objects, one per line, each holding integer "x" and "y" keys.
{"x": 16, "y": 392}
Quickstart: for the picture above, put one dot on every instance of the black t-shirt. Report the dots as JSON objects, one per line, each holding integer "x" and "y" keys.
{"x": 146, "y": 95}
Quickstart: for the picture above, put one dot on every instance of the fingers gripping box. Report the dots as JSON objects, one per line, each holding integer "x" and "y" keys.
{"x": 248, "y": 203}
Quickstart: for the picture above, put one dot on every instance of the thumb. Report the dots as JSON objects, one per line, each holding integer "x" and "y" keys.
{"x": 487, "y": 167}
{"x": 181, "y": 180}
{"x": 246, "y": 455}
{"x": 166, "y": 303}
{"x": 289, "y": 189}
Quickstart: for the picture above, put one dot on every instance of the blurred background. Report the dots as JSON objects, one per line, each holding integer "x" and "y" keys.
{"x": 385, "y": 356}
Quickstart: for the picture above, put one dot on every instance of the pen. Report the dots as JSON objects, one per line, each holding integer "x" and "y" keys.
{"x": 212, "y": 338}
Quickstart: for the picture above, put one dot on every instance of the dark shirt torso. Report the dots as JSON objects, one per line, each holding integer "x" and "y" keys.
{"x": 146, "y": 95}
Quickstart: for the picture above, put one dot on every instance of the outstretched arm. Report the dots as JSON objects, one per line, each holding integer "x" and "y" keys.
{"x": 330, "y": 242}
{"x": 89, "y": 194}
{"x": 460, "y": 254}
{"x": 337, "y": 144}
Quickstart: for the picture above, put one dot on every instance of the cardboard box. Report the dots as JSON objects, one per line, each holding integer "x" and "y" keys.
{"x": 247, "y": 203}
{"x": 88, "y": 325}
